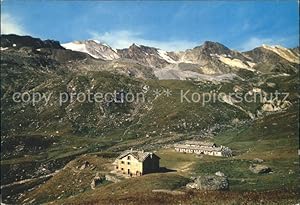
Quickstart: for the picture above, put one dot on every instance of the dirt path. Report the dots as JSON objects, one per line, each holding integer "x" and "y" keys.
{"x": 29, "y": 180}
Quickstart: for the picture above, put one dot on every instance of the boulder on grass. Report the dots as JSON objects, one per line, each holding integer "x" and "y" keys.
{"x": 209, "y": 183}
{"x": 259, "y": 169}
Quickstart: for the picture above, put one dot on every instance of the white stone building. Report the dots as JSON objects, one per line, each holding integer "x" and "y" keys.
{"x": 206, "y": 148}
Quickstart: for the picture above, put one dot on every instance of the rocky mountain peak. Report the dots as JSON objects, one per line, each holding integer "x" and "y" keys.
{"x": 212, "y": 44}
{"x": 146, "y": 55}
{"x": 141, "y": 48}
{"x": 134, "y": 46}
{"x": 13, "y": 40}
{"x": 214, "y": 48}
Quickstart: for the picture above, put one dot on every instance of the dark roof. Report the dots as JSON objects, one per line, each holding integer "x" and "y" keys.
{"x": 139, "y": 155}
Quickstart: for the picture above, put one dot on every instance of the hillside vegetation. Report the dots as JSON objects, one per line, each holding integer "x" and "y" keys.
{"x": 45, "y": 143}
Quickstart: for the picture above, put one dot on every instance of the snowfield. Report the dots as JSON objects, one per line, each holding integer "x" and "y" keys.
{"x": 77, "y": 46}
{"x": 94, "y": 48}
{"x": 164, "y": 55}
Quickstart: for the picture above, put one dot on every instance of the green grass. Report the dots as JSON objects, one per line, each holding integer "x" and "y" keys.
{"x": 273, "y": 139}
{"x": 97, "y": 128}
{"x": 71, "y": 180}
{"x": 179, "y": 162}
{"x": 129, "y": 189}
{"x": 242, "y": 179}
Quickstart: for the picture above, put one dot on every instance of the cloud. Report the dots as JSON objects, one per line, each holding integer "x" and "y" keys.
{"x": 124, "y": 38}
{"x": 254, "y": 42}
{"x": 10, "y": 25}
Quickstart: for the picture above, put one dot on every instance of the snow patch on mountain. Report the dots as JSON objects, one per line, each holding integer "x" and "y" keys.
{"x": 236, "y": 62}
{"x": 94, "y": 48}
{"x": 76, "y": 46}
{"x": 251, "y": 64}
{"x": 283, "y": 52}
{"x": 164, "y": 55}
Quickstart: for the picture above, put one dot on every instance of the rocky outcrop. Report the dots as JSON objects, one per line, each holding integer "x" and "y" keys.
{"x": 273, "y": 106}
{"x": 85, "y": 165}
{"x": 96, "y": 181}
{"x": 210, "y": 183}
{"x": 259, "y": 169}
{"x": 268, "y": 107}
{"x": 112, "y": 178}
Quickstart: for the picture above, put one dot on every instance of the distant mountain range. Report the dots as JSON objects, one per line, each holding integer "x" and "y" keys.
{"x": 210, "y": 58}
{"x": 31, "y": 64}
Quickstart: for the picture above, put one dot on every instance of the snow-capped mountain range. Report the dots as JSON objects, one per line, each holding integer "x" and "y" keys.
{"x": 198, "y": 55}
{"x": 210, "y": 58}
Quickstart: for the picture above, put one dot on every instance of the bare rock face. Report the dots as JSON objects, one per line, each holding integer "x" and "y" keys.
{"x": 273, "y": 106}
{"x": 96, "y": 181}
{"x": 209, "y": 183}
{"x": 146, "y": 55}
{"x": 84, "y": 165}
{"x": 268, "y": 107}
{"x": 259, "y": 169}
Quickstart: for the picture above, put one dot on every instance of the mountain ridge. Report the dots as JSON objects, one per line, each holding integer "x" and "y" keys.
{"x": 210, "y": 58}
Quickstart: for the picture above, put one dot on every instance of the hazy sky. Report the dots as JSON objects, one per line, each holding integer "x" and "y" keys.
{"x": 174, "y": 25}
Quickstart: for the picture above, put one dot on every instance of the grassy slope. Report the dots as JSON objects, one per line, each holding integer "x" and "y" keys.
{"x": 81, "y": 128}
{"x": 273, "y": 139}
{"x": 71, "y": 180}
{"x": 276, "y": 145}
